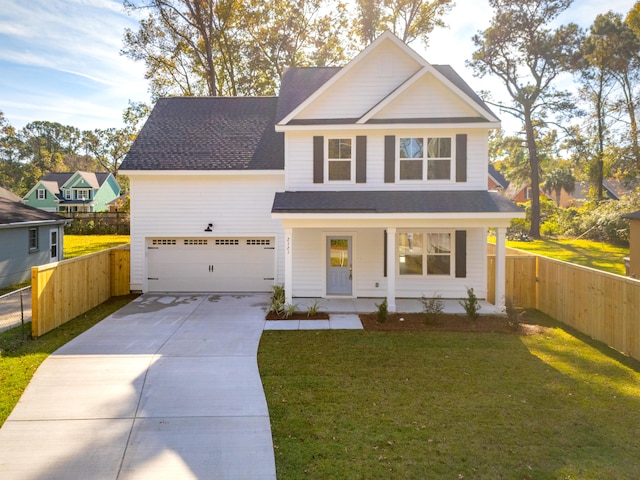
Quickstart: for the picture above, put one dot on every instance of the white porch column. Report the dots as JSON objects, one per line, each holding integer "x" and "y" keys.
{"x": 501, "y": 277}
{"x": 391, "y": 269}
{"x": 288, "y": 265}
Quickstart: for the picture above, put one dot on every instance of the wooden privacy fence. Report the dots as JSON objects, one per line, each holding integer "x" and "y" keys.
{"x": 602, "y": 305}
{"x": 63, "y": 290}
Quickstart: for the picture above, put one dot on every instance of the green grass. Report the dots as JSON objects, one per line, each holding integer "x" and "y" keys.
{"x": 76, "y": 245}
{"x": 378, "y": 405}
{"x": 598, "y": 255}
{"x": 20, "y": 355}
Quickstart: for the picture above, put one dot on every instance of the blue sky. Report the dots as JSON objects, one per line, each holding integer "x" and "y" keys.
{"x": 60, "y": 61}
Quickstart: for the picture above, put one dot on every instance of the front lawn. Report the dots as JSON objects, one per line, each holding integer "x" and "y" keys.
{"x": 378, "y": 405}
{"x": 598, "y": 255}
{"x": 76, "y": 245}
{"x": 20, "y": 355}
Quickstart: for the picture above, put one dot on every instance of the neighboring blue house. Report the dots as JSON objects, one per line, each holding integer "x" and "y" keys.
{"x": 74, "y": 192}
{"x": 28, "y": 237}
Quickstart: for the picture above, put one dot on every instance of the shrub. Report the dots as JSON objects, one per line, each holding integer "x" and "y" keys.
{"x": 470, "y": 304}
{"x": 432, "y": 308}
{"x": 289, "y": 309}
{"x": 313, "y": 309}
{"x": 514, "y": 314}
{"x": 383, "y": 311}
{"x": 277, "y": 305}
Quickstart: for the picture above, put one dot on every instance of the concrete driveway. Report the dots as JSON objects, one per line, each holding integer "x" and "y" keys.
{"x": 166, "y": 388}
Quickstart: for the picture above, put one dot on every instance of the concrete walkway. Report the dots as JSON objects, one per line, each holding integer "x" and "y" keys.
{"x": 165, "y": 388}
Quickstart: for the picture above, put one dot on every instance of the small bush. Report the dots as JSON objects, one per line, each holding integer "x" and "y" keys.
{"x": 432, "y": 308}
{"x": 313, "y": 309}
{"x": 383, "y": 311}
{"x": 277, "y": 305}
{"x": 289, "y": 309}
{"x": 471, "y": 305}
{"x": 514, "y": 314}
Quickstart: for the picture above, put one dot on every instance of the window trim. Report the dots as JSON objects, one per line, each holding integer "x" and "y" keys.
{"x": 77, "y": 194}
{"x": 425, "y": 254}
{"x": 425, "y": 160}
{"x": 67, "y": 194}
{"x": 352, "y": 160}
{"x": 41, "y": 194}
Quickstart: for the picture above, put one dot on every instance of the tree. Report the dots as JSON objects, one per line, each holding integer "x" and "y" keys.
{"x": 558, "y": 179}
{"x": 409, "y": 20}
{"x": 527, "y": 56}
{"x": 232, "y": 47}
{"x": 597, "y": 84}
{"x": 11, "y": 170}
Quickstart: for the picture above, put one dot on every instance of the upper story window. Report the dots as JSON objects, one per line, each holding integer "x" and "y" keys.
{"x": 83, "y": 194}
{"x": 412, "y": 158}
{"x": 67, "y": 194}
{"x": 423, "y": 253}
{"x": 339, "y": 159}
{"x": 33, "y": 239}
{"x": 41, "y": 194}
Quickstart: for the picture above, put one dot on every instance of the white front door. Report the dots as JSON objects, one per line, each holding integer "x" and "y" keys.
{"x": 339, "y": 266}
{"x": 53, "y": 245}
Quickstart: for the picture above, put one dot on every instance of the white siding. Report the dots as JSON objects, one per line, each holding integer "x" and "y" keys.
{"x": 299, "y": 161}
{"x": 427, "y": 98}
{"x": 368, "y": 82}
{"x": 163, "y": 205}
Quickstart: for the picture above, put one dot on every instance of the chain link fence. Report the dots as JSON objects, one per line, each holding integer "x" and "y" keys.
{"x": 15, "y": 308}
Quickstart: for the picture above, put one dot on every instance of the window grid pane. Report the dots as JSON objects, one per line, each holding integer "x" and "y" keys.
{"x": 439, "y": 169}
{"x": 339, "y": 148}
{"x": 411, "y": 148}
{"x": 339, "y": 170}
{"x": 411, "y": 253}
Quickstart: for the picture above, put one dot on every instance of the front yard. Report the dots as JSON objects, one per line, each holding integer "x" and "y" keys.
{"x": 372, "y": 405}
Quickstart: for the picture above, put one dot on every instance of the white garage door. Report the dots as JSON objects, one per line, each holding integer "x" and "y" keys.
{"x": 239, "y": 264}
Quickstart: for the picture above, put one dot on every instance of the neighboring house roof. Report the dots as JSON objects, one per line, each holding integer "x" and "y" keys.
{"x": 16, "y": 213}
{"x": 393, "y": 202}
{"x": 581, "y": 190}
{"x": 209, "y": 133}
{"x": 498, "y": 177}
{"x": 8, "y": 195}
{"x": 95, "y": 179}
{"x": 633, "y": 215}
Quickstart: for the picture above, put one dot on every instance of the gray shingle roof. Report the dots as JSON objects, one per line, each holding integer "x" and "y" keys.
{"x": 298, "y": 84}
{"x": 209, "y": 133}
{"x": 17, "y": 212}
{"x": 633, "y": 215}
{"x": 498, "y": 176}
{"x": 382, "y": 202}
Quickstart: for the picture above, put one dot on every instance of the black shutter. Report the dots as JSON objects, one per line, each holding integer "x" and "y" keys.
{"x": 461, "y": 158}
{"x": 385, "y": 253}
{"x": 361, "y": 159}
{"x": 461, "y": 253}
{"x": 318, "y": 159}
{"x": 389, "y": 158}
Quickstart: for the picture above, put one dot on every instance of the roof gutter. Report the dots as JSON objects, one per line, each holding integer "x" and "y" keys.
{"x": 40, "y": 223}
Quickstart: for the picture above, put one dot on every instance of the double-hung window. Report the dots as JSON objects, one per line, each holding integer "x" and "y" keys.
{"x": 83, "y": 194}
{"x": 414, "y": 159}
{"x": 425, "y": 253}
{"x": 41, "y": 194}
{"x": 339, "y": 159}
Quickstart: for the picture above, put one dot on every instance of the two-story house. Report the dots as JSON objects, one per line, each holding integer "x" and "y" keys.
{"x": 368, "y": 180}
{"x": 73, "y": 192}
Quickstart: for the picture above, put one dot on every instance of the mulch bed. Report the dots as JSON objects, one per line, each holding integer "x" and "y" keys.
{"x": 447, "y": 323}
{"x": 415, "y": 322}
{"x": 299, "y": 316}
